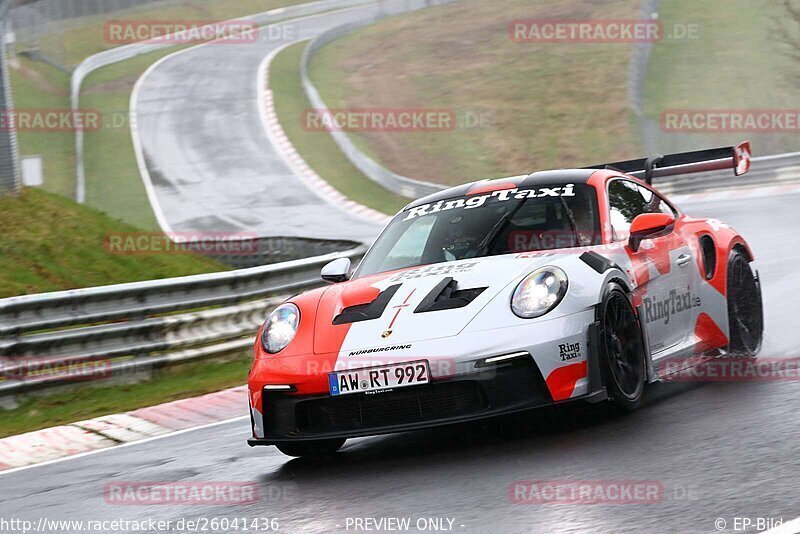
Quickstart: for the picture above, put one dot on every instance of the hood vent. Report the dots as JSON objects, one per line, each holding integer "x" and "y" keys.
{"x": 447, "y": 296}
{"x": 368, "y": 311}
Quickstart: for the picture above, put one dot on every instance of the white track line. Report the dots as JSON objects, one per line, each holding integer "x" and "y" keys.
{"x": 789, "y": 527}
{"x": 144, "y": 172}
{"x": 137, "y": 145}
{"x": 116, "y": 447}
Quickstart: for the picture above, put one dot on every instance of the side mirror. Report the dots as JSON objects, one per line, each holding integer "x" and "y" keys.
{"x": 647, "y": 226}
{"x": 336, "y": 271}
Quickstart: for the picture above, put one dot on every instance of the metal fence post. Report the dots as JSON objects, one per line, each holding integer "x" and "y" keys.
{"x": 10, "y": 179}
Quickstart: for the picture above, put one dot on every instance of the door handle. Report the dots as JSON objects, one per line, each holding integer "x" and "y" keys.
{"x": 683, "y": 260}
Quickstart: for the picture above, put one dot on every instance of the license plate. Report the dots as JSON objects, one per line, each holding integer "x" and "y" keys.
{"x": 396, "y": 375}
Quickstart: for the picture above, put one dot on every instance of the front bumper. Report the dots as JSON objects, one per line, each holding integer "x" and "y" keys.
{"x": 508, "y": 387}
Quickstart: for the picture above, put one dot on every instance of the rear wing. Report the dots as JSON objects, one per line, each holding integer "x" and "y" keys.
{"x": 731, "y": 157}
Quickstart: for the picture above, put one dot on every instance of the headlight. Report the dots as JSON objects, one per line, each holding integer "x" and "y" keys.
{"x": 280, "y": 328}
{"x": 539, "y": 292}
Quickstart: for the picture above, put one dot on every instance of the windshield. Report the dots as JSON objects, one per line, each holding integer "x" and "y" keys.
{"x": 500, "y": 222}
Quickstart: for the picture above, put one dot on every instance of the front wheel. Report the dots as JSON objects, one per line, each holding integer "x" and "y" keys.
{"x": 622, "y": 354}
{"x": 323, "y": 447}
{"x": 745, "y": 309}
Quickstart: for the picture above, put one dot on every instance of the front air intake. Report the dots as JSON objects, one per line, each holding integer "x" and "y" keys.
{"x": 369, "y": 310}
{"x": 447, "y": 296}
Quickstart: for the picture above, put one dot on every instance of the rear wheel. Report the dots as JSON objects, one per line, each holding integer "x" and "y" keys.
{"x": 622, "y": 349}
{"x": 745, "y": 309}
{"x": 323, "y": 447}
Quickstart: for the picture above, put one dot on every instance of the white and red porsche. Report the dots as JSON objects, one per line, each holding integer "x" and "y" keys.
{"x": 505, "y": 295}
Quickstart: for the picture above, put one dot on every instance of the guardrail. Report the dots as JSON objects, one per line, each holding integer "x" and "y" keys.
{"x": 119, "y": 324}
{"x": 400, "y": 185}
{"x": 779, "y": 169}
{"x": 125, "y": 52}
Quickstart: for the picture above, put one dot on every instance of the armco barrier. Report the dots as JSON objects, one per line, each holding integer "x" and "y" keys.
{"x": 400, "y": 185}
{"x": 779, "y": 169}
{"x": 119, "y": 323}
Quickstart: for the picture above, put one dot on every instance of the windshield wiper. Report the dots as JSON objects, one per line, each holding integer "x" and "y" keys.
{"x": 572, "y": 223}
{"x": 486, "y": 243}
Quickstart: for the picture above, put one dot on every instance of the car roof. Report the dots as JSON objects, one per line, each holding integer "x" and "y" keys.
{"x": 529, "y": 181}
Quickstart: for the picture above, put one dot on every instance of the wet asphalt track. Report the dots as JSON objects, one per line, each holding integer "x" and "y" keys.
{"x": 720, "y": 450}
{"x": 211, "y": 164}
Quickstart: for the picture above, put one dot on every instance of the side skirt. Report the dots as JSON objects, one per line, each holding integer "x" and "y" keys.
{"x": 652, "y": 375}
{"x": 597, "y": 389}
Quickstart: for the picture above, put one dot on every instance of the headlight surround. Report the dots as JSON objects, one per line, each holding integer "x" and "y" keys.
{"x": 280, "y": 328}
{"x": 539, "y": 292}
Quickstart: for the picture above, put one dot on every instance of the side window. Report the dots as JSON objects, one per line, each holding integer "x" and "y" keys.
{"x": 626, "y": 202}
{"x": 655, "y": 204}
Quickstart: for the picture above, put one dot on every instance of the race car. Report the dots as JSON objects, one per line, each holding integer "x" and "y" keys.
{"x": 506, "y": 295}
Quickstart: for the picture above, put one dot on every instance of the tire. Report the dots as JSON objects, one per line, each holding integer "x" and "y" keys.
{"x": 745, "y": 308}
{"x": 622, "y": 352}
{"x": 323, "y": 447}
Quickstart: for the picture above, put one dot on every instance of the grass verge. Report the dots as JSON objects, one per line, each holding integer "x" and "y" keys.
{"x": 86, "y": 36}
{"x": 735, "y": 62}
{"x": 520, "y": 106}
{"x": 318, "y": 148}
{"x": 38, "y": 86}
{"x": 85, "y": 402}
{"x": 49, "y": 243}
